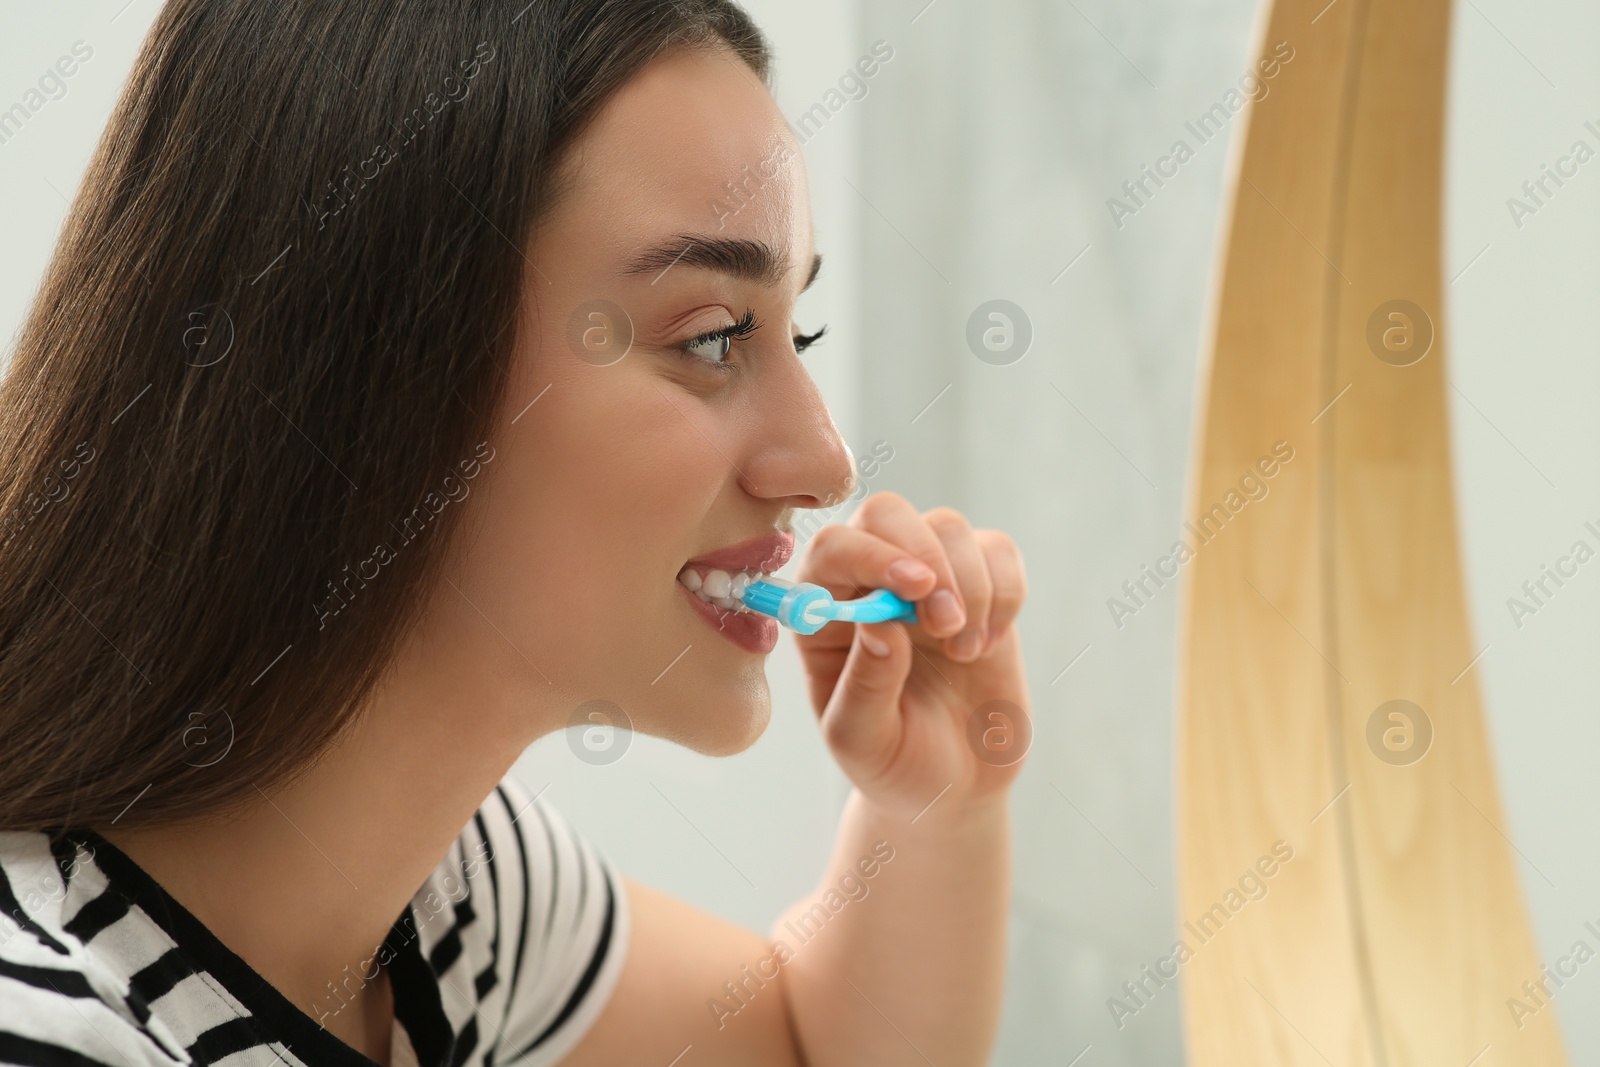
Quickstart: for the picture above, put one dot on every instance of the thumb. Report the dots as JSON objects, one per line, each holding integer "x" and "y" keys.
{"x": 862, "y": 720}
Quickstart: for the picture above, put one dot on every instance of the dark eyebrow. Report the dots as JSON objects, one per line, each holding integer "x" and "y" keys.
{"x": 816, "y": 265}
{"x": 754, "y": 261}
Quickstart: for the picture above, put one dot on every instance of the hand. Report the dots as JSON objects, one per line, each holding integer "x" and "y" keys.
{"x": 899, "y": 723}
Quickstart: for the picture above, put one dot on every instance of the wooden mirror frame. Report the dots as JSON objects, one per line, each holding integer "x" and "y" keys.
{"x": 1395, "y": 933}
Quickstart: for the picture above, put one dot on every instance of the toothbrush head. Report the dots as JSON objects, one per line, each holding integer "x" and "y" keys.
{"x": 800, "y": 606}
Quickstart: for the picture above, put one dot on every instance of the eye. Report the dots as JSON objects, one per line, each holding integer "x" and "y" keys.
{"x": 714, "y": 346}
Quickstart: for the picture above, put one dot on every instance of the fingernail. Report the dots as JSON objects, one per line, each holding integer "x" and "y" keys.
{"x": 910, "y": 570}
{"x": 945, "y": 610}
{"x": 966, "y": 644}
{"x": 873, "y": 643}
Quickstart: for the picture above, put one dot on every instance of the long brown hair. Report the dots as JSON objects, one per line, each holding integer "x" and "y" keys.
{"x": 274, "y": 334}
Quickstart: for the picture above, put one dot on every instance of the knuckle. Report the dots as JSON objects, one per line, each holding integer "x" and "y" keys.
{"x": 838, "y": 733}
{"x": 842, "y": 730}
{"x": 999, "y": 547}
{"x": 822, "y": 542}
{"x": 1010, "y": 579}
{"x": 877, "y": 505}
{"x": 998, "y": 540}
{"x": 946, "y": 520}
{"x": 1007, "y": 601}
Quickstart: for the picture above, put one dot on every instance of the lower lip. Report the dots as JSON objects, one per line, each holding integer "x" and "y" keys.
{"x": 750, "y": 630}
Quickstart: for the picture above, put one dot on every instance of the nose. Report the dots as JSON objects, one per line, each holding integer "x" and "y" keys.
{"x": 796, "y": 454}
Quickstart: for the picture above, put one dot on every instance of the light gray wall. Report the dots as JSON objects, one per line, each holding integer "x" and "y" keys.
{"x": 41, "y": 165}
{"x": 977, "y": 167}
{"x": 1525, "y": 346}
{"x": 997, "y": 139}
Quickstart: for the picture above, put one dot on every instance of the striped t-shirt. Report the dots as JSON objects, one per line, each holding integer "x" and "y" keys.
{"x": 503, "y": 958}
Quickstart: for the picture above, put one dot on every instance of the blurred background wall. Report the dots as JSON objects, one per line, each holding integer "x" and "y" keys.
{"x": 976, "y": 165}
{"x": 1524, "y": 331}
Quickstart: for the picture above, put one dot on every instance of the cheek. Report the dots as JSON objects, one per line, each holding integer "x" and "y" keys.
{"x": 624, "y": 477}
{"x": 601, "y": 491}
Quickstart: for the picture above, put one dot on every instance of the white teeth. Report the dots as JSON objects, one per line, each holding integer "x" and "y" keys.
{"x": 719, "y": 587}
{"x": 717, "y": 584}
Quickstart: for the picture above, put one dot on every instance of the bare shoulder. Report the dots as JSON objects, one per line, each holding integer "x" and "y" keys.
{"x": 672, "y": 983}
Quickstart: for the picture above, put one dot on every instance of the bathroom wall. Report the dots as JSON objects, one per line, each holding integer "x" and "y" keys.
{"x": 1524, "y": 326}
{"x": 996, "y": 158}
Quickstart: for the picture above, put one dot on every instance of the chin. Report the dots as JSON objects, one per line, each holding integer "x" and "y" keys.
{"x": 729, "y": 716}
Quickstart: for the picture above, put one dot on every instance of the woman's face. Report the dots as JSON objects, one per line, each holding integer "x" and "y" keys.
{"x": 685, "y": 207}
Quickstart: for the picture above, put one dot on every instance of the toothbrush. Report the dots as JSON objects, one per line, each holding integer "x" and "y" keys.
{"x": 806, "y": 608}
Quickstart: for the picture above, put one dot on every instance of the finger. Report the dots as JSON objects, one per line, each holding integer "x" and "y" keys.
{"x": 853, "y": 561}
{"x": 861, "y": 723}
{"x": 1010, "y": 581}
{"x": 823, "y": 665}
{"x": 941, "y": 612}
{"x": 971, "y": 569}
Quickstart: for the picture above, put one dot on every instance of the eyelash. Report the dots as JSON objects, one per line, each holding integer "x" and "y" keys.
{"x": 805, "y": 341}
{"x": 739, "y": 331}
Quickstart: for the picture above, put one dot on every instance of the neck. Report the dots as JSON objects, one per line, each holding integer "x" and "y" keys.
{"x": 305, "y": 883}
{"x": 365, "y": 1023}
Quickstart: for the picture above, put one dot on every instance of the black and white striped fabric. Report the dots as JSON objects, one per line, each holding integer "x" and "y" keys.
{"x": 504, "y": 958}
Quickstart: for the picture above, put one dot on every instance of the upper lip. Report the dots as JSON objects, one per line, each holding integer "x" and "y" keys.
{"x": 766, "y": 554}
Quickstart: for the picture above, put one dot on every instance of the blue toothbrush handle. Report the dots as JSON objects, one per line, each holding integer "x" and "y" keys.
{"x": 880, "y": 605}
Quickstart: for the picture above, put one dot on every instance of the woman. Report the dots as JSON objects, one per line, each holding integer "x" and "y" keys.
{"x": 399, "y": 364}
